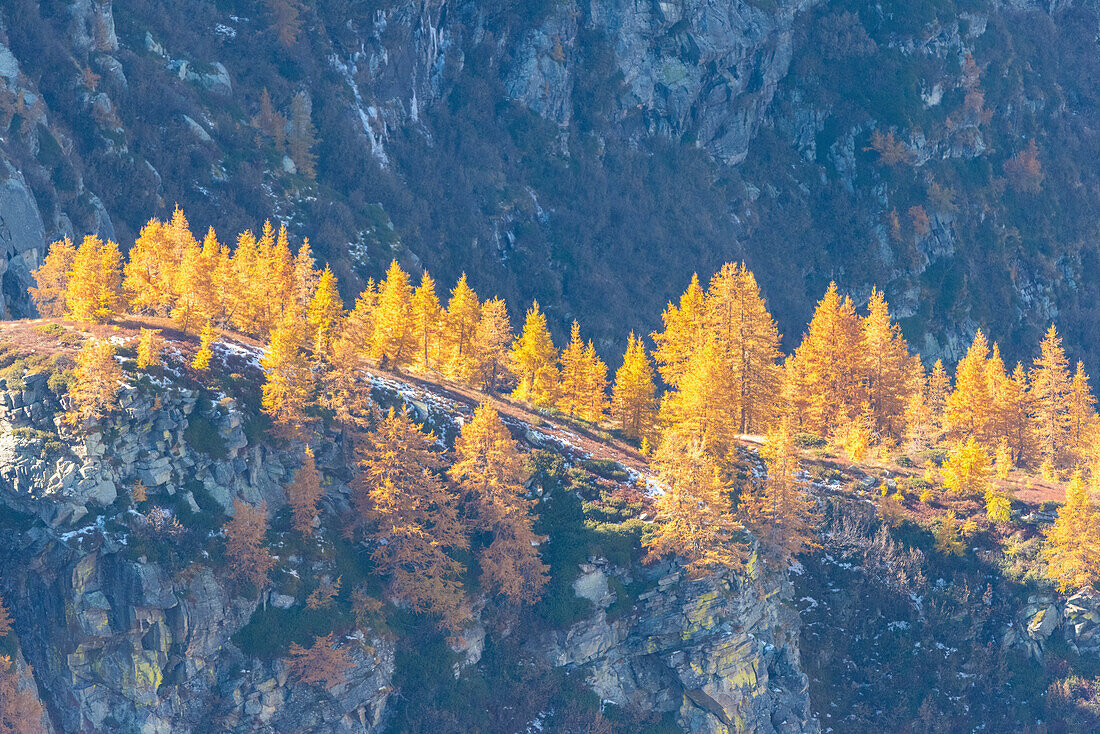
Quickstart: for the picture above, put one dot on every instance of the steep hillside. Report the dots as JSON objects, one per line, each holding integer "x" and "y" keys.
{"x": 126, "y": 607}
{"x": 587, "y": 153}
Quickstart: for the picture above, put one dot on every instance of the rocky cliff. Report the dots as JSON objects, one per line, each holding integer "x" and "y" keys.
{"x": 542, "y": 146}
{"x": 125, "y": 612}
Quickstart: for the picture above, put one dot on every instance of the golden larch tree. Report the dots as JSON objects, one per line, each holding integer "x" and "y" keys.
{"x": 52, "y": 279}
{"x": 694, "y": 520}
{"x": 462, "y": 316}
{"x": 1071, "y": 547}
{"x": 412, "y": 517}
{"x": 967, "y": 408}
{"x": 98, "y": 376}
{"x": 244, "y": 544}
{"x": 534, "y": 360}
{"x": 205, "y": 352}
{"x": 95, "y": 283}
{"x": 782, "y": 513}
{"x": 427, "y": 314}
{"x": 289, "y": 387}
{"x": 684, "y": 333}
{"x": 573, "y": 368}
{"x": 149, "y": 348}
{"x": 939, "y": 387}
{"x": 322, "y": 663}
{"x": 700, "y": 409}
{"x": 325, "y": 315}
{"x": 1051, "y": 386}
{"x": 491, "y": 344}
{"x": 492, "y": 473}
{"x": 304, "y": 493}
{"x": 633, "y": 401}
{"x": 967, "y": 470}
{"x": 394, "y": 339}
{"x": 1082, "y": 414}
{"x": 886, "y": 367}
{"x": 594, "y": 400}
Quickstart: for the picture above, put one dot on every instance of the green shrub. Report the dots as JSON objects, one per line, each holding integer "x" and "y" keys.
{"x": 54, "y": 330}
{"x": 205, "y": 438}
{"x": 13, "y": 374}
{"x": 809, "y": 441}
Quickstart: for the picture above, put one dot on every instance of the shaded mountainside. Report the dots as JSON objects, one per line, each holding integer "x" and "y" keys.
{"x": 126, "y": 610}
{"x": 590, "y": 153}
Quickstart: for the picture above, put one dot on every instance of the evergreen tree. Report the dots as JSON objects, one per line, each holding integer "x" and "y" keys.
{"x": 95, "y": 283}
{"x": 534, "y": 361}
{"x": 491, "y": 471}
{"x": 694, "y": 519}
{"x": 1071, "y": 547}
{"x": 304, "y": 493}
{"x": 948, "y": 536}
{"x": 633, "y": 402}
{"x": 52, "y": 279}
{"x": 571, "y": 388}
{"x": 782, "y": 516}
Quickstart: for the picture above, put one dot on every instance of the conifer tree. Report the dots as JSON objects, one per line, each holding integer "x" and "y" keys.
{"x": 193, "y": 285}
{"x": 886, "y": 366}
{"x": 412, "y": 515}
{"x": 967, "y": 470}
{"x": 684, "y": 333}
{"x": 288, "y": 389}
{"x": 304, "y": 493}
{"x": 694, "y": 519}
{"x": 95, "y": 284}
{"x": 967, "y": 408}
{"x": 152, "y": 264}
{"x": 359, "y": 327}
{"x": 826, "y": 365}
{"x": 571, "y": 388}
{"x": 394, "y": 339}
{"x": 948, "y": 536}
{"x": 748, "y": 345}
{"x": 1051, "y": 387}
{"x": 244, "y": 543}
{"x": 783, "y": 516}
{"x": 1010, "y": 411}
{"x": 52, "y": 279}
{"x": 322, "y": 663}
{"x": 325, "y": 315}
{"x": 5, "y": 619}
{"x": 594, "y": 396}
{"x": 491, "y": 343}
{"x": 491, "y": 471}
{"x": 939, "y": 387}
{"x": 427, "y": 314}
{"x": 306, "y": 277}
{"x": 205, "y": 353}
{"x": 463, "y": 315}
{"x": 1002, "y": 460}
{"x": 1071, "y": 547}
{"x": 534, "y": 361}
{"x": 271, "y": 123}
{"x": 149, "y": 347}
{"x": 242, "y": 304}
{"x": 1082, "y": 413}
{"x": 700, "y": 409}
{"x": 98, "y": 376}
{"x": 633, "y": 402}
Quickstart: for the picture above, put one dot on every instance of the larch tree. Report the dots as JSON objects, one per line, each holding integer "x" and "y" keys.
{"x": 571, "y": 386}
{"x": 304, "y": 493}
{"x": 886, "y": 366}
{"x": 462, "y": 316}
{"x": 149, "y": 348}
{"x": 97, "y": 380}
{"x": 684, "y": 333}
{"x": 413, "y": 519}
{"x": 967, "y": 470}
{"x": 5, "y": 619}
{"x": 1082, "y": 414}
{"x": 427, "y": 314}
{"x": 205, "y": 352}
{"x": 949, "y": 536}
{"x": 491, "y": 344}
{"x": 633, "y": 398}
{"x": 694, "y": 520}
{"x": 394, "y": 339}
{"x": 700, "y": 409}
{"x": 325, "y": 315}
{"x": 244, "y": 543}
{"x": 967, "y": 408}
{"x": 737, "y": 319}
{"x": 1071, "y": 547}
{"x": 492, "y": 472}
{"x": 323, "y": 663}
{"x": 306, "y": 276}
{"x": 1051, "y": 387}
{"x": 827, "y": 365}
{"x": 193, "y": 285}
{"x": 52, "y": 279}
{"x": 289, "y": 387}
{"x": 95, "y": 284}
{"x": 782, "y": 513}
{"x": 358, "y": 332}
{"x": 594, "y": 400}
{"x": 534, "y": 361}
{"x": 939, "y": 387}
{"x": 152, "y": 263}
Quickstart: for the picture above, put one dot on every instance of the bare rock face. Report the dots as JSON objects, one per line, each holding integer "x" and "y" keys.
{"x": 22, "y": 242}
{"x": 721, "y": 651}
